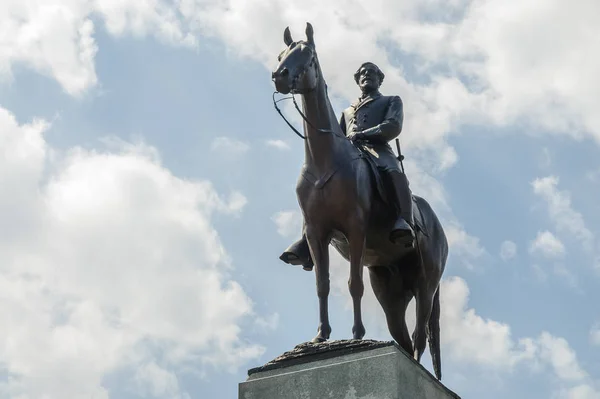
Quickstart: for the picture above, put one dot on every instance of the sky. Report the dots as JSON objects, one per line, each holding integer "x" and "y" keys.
{"x": 147, "y": 188}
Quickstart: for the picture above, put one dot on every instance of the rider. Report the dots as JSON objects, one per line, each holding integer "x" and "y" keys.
{"x": 371, "y": 122}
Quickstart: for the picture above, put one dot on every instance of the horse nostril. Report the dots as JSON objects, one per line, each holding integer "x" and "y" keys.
{"x": 284, "y": 72}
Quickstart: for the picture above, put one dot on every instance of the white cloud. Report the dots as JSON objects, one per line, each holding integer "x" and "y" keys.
{"x": 237, "y": 202}
{"x": 424, "y": 184}
{"x": 471, "y": 340}
{"x": 582, "y": 391}
{"x": 158, "y": 18}
{"x": 268, "y": 323}
{"x": 574, "y": 381}
{"x": 466, "y": 336}
{"x": 508, "y": 83}
{"x": 507, "y": 79}
{"x": 54, "y": 38}
{"x": 156, "y": 382}
{"x": 548, "y": 245}
{"x": 561, "y": 357}
{"x": 469, "y": 337}
{"x": 289, "y": 223}
{"x": 478, "y": 67}
{"x": 508, "y": 250}
{"x": 108, "y": 262}
{"x": 461, "y": 244}
{"x": 229, "y": 146}
{"x": 595, "y": 334}
{"x": 566, "y": 219}
{"x": 279, "y": 144}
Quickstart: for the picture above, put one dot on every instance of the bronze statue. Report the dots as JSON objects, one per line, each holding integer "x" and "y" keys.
{"x": 372, "y": 121}
{"x": 345, "y": 203}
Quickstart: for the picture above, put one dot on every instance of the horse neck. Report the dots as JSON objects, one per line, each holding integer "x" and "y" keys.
{"x": 321, "y": 148}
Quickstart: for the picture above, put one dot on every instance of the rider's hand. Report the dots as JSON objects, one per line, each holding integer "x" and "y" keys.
{"x": 358, "y": 137}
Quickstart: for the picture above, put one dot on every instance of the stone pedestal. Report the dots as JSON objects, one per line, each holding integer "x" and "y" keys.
{"x": 348, "y": 369}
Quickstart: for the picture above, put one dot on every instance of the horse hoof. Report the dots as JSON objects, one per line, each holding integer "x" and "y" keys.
{"x": 358, "y": 333}
{"x": 318, "y": 340}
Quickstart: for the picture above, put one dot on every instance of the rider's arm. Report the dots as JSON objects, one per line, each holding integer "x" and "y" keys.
{"x": 391, "y": 126}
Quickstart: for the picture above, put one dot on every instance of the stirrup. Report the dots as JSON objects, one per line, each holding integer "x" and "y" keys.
{"x": 404, "y": 238}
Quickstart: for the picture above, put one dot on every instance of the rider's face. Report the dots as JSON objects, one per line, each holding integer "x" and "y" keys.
{"x": 368, "y": 79}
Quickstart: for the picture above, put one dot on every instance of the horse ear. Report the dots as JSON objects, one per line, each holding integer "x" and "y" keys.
{"x": 287, "y": 37}
{"x": 310, "y": 33}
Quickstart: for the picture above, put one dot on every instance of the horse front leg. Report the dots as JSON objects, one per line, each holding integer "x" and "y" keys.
{"x": 355, "y": 282}
{"x": 319, "y": 248}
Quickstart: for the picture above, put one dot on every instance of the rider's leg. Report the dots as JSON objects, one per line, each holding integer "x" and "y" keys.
{"x": 402, "y": 232}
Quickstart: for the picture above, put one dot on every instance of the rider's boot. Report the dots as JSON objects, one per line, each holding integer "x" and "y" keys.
{"x": 402, "y": 233}
{"x": 298, "y": 254}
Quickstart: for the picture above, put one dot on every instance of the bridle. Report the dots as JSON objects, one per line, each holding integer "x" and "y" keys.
{"x": 311, "y": 63}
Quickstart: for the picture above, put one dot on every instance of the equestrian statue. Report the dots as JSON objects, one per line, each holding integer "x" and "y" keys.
{"x": 354, "y": 195}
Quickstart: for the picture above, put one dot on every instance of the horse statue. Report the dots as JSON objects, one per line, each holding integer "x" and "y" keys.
{"x": 344, "y": 204}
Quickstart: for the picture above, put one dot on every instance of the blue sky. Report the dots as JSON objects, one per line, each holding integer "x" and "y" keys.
{"x": 148, "y": 190}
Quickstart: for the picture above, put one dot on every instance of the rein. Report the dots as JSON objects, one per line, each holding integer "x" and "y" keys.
{"x": 303, "y": 137}
{"x": 301, "y": 114}
{"x": 284, "y": 118}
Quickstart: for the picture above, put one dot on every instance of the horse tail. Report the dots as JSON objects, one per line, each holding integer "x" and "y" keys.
{"x": 434, "y": 335}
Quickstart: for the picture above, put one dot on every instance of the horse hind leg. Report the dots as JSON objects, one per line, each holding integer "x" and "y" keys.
{"x": 397, "y": 323}
{"x": 424, "y": 303}
{"x": 433, "y": 332}
{"x": 394, "y": 300}
{"x": 426, "y": 295}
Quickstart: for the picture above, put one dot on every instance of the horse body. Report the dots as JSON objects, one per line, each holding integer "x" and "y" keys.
{"x": 338, "y": 195}
{"x": 379, "y": 251}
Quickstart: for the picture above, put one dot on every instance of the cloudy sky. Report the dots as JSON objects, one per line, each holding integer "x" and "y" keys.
{"x": 147, "y": 189}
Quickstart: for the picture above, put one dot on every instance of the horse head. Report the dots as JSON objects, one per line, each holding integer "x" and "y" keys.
{"x": 298, "y": 70}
